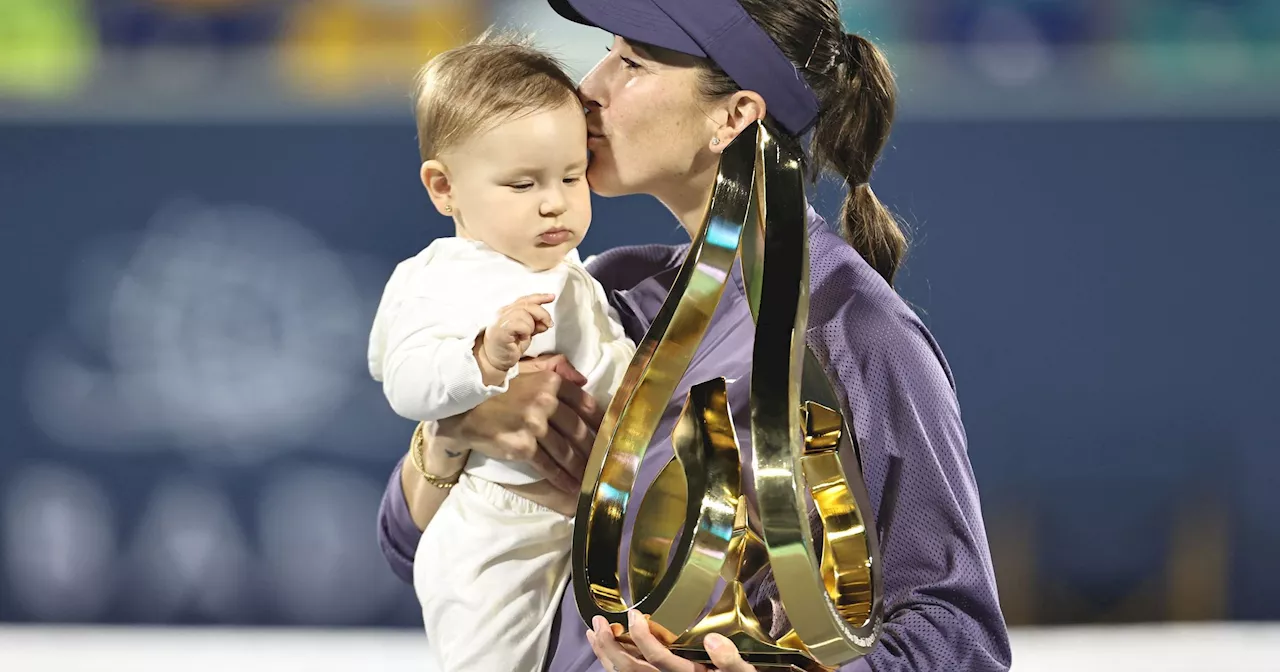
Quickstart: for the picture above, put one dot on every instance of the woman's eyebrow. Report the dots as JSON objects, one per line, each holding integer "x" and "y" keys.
{"x": 657, "y": 54}
{"x": 641, "y": 49}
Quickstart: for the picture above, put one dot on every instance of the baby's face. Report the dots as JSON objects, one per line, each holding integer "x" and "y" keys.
{"x": 521, "y": 187}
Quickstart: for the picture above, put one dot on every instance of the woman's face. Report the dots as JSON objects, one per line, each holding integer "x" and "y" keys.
{"x": 649, "y": 130}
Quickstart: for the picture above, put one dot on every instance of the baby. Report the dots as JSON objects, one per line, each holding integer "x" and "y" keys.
{"x": 503, "y": 141}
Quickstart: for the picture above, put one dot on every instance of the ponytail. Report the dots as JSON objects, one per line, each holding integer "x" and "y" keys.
{"x": 850, "y": 135}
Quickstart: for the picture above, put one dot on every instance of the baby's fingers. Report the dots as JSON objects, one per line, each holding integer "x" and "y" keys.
{"x": 541, "y": 318}
{"x": 534, "y": 300}
{"x": 517, "y": 325}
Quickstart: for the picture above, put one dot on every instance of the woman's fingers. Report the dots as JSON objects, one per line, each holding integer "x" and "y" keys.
{"x": 548, "y": 468}
{"x": 530, "y": 365}
{"x": 566, "y": 458}
{"x": 651, "y": 642}
{"x": 583, "y": 404}
{"x": 578, "y": 437}
{"x": 595, "y": 648}
{"x": 555, "y": 422}
{"x": 518, "y": 426}
{"x": 664, "y": 635}
{"x": 556, "y": 363}
{"x": 562, "y": 367}
{"x": 654, "y": 650}
{"x": 610, "y": 652}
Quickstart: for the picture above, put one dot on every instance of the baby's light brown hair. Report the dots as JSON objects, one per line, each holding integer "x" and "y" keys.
{"x": 475, "y": 87}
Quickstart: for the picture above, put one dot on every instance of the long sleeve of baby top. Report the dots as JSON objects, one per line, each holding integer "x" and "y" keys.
{"x": 435, "y": 305}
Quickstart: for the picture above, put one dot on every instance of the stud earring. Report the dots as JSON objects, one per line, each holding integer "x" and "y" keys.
{"x": 715, "y": 141}
{"x": 448, "y": 208}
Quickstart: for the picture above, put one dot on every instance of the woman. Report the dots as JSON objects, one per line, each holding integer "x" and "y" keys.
{"x": 681, "y": 81}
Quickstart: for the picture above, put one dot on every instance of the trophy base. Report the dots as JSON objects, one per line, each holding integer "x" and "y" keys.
{"x": 779, "y": 659}
{"x": 733, "y": 618}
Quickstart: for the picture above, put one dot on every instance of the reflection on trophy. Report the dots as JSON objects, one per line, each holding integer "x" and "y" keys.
{"x": 693, "y": 529}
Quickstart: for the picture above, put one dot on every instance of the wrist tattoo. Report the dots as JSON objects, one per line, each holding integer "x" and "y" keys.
{"x": 453, "y": 453}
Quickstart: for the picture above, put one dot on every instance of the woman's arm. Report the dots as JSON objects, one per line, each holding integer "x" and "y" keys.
{"x": 410, "y": 502}
{"x": 544, "y": 419}
{"x": 442, "y": 458}
{"x": 941, "y": 608}
{"x": 397, "y": 533}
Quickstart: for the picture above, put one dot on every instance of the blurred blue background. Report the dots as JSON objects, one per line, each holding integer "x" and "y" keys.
{"x": 201, "y": 200}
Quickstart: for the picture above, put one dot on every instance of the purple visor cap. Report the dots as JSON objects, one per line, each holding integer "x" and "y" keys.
{"x": 720, "y": 30}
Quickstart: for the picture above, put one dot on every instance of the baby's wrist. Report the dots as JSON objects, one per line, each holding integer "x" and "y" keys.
{"x": 490, "y": 373}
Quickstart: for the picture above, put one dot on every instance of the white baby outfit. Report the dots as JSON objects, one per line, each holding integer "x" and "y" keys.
{"x": 492, "y": 566}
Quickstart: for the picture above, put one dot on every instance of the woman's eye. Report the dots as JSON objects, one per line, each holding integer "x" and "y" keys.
{"x": 629, "y": 63}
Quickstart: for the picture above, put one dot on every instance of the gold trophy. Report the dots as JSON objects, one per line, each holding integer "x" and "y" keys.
{"x": 693, "y": 528}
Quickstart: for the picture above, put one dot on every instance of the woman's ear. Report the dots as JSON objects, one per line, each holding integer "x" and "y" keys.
{"x": 745, "y": 108}
{"x": 435, "y": 178}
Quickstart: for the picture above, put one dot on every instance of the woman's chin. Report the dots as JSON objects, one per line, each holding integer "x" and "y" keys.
{"x": 604, "y": 181}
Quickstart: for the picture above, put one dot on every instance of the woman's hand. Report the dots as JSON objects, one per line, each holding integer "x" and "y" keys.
{"x": 544, "y": 418}
{"x": 649, "y": 651}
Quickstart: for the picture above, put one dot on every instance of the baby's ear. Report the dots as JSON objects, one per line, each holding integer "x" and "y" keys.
{"x": 435, "y": 178}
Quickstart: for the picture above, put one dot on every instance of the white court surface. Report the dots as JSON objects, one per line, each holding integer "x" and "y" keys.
{"x": 1216, "y": 647}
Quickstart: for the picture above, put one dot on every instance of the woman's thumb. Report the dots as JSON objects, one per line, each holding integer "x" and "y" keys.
{"x": 566, "y": 371}
{"x": 557, "y": 364}
{"x": 724, "y": 655}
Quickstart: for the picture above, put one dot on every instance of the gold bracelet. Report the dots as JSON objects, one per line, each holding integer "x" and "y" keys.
{"x": 416, "y": 446}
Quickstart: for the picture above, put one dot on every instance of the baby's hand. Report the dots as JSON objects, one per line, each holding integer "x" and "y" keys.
{"x": 506, "y": 340}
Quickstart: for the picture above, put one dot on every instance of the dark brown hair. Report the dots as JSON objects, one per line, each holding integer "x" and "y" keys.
{"x": 856, "y": 91}
{"x": 470, "y": 89}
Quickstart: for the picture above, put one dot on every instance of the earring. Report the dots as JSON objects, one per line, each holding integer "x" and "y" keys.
{"x": 448, "y": 208}
{"x": 715, "y": 141}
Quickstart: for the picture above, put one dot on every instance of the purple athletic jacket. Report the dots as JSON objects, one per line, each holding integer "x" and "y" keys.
{"x": 941, "y": 610}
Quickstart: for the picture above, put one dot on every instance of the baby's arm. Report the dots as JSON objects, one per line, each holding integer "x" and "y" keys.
{"x": 430, "y": 370}
{"x": 430, "y": 365}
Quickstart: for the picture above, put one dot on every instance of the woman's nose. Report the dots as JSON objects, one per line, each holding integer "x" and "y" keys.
{"x": 588, "y": 103}
{"x": 591, "y": 89}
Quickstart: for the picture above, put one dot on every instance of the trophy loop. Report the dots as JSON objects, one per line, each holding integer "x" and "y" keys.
{"x": 834, "y": 605}
{"x": 693, "y": 528}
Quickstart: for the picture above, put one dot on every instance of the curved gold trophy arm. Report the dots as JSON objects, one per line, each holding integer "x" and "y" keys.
{"x": 661, "y": 359}
{"x": 693, "y": 527}
{"x": 834, "y": 606}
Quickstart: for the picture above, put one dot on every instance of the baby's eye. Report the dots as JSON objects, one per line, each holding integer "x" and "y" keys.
{"x": 572, "y": 180}
{"x": 522, "y": 186}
